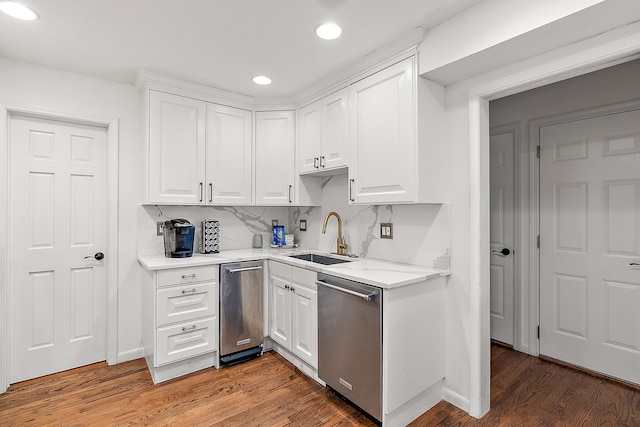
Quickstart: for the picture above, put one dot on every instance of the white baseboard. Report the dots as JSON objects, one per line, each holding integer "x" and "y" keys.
{"x": 125, "y": 356}
{"x": 456, "y": 399}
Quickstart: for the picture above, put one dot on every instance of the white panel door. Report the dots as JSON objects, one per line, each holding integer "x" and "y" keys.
{"x": 305, "y": 325}
{"x": 590, "y": 241}
{"x": 309, "y": 141}
{"x": 382, "y": 134}
{"x": 275, "y": 137}
{"x": 176, "y": 149}
{"x": 335, "y": 130}
{"x": 502, "y": 234}
{"x": 229, "y": 168}
{"x": 58, "y": 193}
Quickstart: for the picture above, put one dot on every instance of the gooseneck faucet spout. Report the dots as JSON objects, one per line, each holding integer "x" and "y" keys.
{"x": 341, "y": 245}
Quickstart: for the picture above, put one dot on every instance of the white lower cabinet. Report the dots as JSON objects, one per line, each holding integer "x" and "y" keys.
{"x": 294, "y": 313}
{"x": 180, "y": 320}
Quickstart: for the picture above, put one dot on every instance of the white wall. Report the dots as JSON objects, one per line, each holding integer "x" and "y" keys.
{"x": 420, "y": 232}
{"x": 81, "y": 96}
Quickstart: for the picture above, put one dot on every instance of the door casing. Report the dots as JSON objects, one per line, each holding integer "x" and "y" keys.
{"x": 112, "y": 127}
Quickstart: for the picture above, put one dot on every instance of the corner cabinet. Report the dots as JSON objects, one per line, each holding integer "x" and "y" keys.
{"x": 199, "y": 153}
{"x": 323, "y": 134}
{"x": 396, "y": 137}
{"x": 275, "y": 137}
{"x": 294, "y": 315}
{"x": 180, "y": 320}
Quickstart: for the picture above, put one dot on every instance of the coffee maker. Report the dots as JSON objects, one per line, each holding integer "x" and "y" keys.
{"x": 178, "y": 238}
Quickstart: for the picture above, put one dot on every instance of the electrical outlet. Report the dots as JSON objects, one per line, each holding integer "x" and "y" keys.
{"x": 159, "y": 228}
{"x": 303, "y": 225}
{"x": 386, "y": 230}
{"x": 274, "y": 222}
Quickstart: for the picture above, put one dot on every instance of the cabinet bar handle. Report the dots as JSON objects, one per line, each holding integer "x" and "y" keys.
{"x": 191, "y": 276}
{"x": 192, "y": 291}
{"x": 366, "y": 297}
{"x": 351, "y": 190}
{"x": 286, "y": 286}
{"x": 292, "y": 289}
{"x": 322, "y": 163}
{"x": 201, "y": 195}
{"x": 210, "y": 192}
{"x": 240, "y": 270}
{"x": 315, "y": 162}
{"x": 184, "y": 328}
{"x": 290, "y": 201}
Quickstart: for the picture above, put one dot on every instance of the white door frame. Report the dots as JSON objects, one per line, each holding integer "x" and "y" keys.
{"x": 594, "y": 54}
{"x": 112, "y": 127}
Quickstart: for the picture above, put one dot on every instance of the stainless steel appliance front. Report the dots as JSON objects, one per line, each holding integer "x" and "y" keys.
{"x": 350, "y": 341}
{"x": 241, "y": 311}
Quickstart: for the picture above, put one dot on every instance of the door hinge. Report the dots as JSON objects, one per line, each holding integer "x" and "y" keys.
{"x": 538, "y": 151}
{"x": 538, "y": 331}
{"x": 538, "y": 242}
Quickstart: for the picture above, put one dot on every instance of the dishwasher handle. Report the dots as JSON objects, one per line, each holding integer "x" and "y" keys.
{"x": 366, "y": 297}
{"x": 240, "y": 270}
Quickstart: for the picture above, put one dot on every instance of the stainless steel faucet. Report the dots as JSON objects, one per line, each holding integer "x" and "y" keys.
{"x": 341, "y": 245}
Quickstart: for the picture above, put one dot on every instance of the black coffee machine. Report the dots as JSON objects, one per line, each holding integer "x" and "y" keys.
{"x": 178, "y": 238}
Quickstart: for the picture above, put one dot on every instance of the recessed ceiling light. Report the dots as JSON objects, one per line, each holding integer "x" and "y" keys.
{"x": 328, "y": 31}
{"x": 18, "y": 10}
{"x": 262, "y": 80}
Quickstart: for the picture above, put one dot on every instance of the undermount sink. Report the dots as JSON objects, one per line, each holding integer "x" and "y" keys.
{"x": 319, "y": 259}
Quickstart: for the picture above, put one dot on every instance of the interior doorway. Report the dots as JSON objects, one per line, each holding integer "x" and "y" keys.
{"x": 565, "y": 101}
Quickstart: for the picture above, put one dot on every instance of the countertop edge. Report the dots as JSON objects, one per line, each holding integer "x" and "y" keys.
{"x": 396, "y": 274}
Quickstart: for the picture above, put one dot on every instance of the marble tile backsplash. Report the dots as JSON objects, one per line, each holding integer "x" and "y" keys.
{"x": 420, "y": 232}
{"x": 237, "y": 224}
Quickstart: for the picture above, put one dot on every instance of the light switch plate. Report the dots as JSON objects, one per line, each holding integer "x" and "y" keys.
{"x": 274, "y": 222}
{"x": 386, "y": 230}
{"x": 159, "y": 228}
{"x": 303, "y": 225}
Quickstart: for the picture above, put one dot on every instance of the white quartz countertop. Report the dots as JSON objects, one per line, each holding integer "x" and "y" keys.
{"x": 383, "y": 274}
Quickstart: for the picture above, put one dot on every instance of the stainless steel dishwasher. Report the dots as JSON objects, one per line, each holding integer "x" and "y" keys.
{"x": 241, "y": 311}
{"x": 350, "y": 341}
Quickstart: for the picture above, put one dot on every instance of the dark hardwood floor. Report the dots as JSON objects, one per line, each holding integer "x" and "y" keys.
{"x": 268, "y": 391}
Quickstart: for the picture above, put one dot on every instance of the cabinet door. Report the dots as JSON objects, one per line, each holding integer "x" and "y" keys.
{"x": 309, "y": 141}
{"x": 275, "y": 135}
{"x": 304, "y": 325}
{"x": 176, "y": 149}
{"x": 281, "y": 311}
{"x": 382, "y": 133}
{"x": 334, "y": 130}
{"x": 229, "y": 174}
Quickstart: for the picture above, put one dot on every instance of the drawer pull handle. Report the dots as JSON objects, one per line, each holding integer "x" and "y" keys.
{"x": 190, "y": 276}
{"x": 184, "y": 328}
{"x": 187, "y": 291}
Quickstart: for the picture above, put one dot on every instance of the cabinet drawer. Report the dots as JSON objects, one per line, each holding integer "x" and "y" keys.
{"x": 178, "y": 276}
{"x": 304, "y": 277}
{"x": 185, "y": 340}
{"x": 279, "y": 269}
{"x": 184, "y": 303}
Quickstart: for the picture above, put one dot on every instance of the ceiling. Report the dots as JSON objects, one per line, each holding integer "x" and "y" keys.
{"x": 219, "y": 43}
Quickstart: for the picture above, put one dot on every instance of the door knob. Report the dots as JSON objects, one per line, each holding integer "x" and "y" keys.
{"x": 98, "y": 256}
{"x": 502, "y": 252}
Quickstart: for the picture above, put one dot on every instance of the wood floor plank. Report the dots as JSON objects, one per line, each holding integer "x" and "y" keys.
{"x": 269, "y": 391}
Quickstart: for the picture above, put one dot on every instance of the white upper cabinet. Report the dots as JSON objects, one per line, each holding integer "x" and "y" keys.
{"x": 176, "y": 149}
{"x": 395, "y": 136}
{"x": 229, "y": 173}
{"x": 335, "y": 132}
{"x": 309, "y": 142}
{"x": 275, "y": 137}
{"x": 322, "y": 134}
